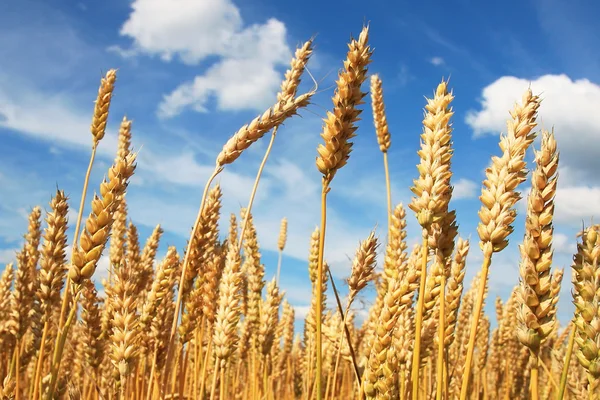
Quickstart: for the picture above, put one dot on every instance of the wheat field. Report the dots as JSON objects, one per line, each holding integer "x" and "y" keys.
{"x": 204, "y": 323}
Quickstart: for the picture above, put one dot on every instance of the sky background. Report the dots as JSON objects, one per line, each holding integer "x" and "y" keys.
{"x": 190, "y": 73}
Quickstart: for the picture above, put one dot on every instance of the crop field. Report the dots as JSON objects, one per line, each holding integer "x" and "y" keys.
{"x": 205, "y": 322}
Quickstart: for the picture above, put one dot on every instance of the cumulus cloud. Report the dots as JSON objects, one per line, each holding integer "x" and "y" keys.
{"x": 464, "y": 189}
{"x": 577, "y": 204}
{"x": 570, "y": 106}
{"x": 561, "y": 243}
{"x": 245, "y": 75}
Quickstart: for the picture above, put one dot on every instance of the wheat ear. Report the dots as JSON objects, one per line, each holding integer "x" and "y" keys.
{"x": 383, "y": 135}
{"x": 498, "y": 198}
{"x": 537, "y": 308}
{"x": 338, "y": 129}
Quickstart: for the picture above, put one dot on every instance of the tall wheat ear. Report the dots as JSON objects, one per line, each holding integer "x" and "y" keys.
{"x": 498, "y": 197}
{"x": 338, "y": 129}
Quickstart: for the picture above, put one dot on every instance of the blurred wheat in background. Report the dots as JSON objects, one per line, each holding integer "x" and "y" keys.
{"x": 205, "y": 323}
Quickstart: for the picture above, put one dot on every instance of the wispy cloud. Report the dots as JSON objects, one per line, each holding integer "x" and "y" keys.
{"x": 437, "y": 61}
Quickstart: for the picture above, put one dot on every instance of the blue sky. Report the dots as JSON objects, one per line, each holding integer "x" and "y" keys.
{"x": 192, "y": 72}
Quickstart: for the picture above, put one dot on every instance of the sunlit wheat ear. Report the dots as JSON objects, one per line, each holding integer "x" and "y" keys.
{"x": 507, "y": 172}
{"x": 287, "y": 319}
{"x": 92, "y": 329}
{"x": 6, "y": 281}
{"x": 498, "y": 198}
{"x": 269, "y": 315}
{"x": 165, "y": 272}
{"x": 362, "y": 266}
{"x": 53, "y": 254}
{"x": 377, "y": 380}
{"x": 455, "y": 288}
{"x": 281, "y": 244}
{"x": 98, "y": 224}
{"x": 256, "y": 129}
{"x": 204, "y": 240}
{"x": 383, "y": 136}
{"x": 381, "y": 126}
{"x": 432, "y": 188}
{"x": 228, "y": 311}
{"x": 537, "y": 308}
{"x": 338, "y": 129}
{"x": 432, "y": 192}
{"x": 282, "y": 234}
{"x": 586, "y": 297}
{"x": 289, "y": 86}
{"x": 107, "y": 85}
{"x": 339, "y": 126}
{"x": 395, "y": 261}
{"x": 23, "y": 291}
{"x": 146, "y": 263}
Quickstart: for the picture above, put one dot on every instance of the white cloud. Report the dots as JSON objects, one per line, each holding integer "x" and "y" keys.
{"x": 570, "y": 106}
{"x": 577, "y": 205}
{"x": 236, "y": 84}
{"x": 245, "y": 75}
{"x": 464, "y": 189}
{"x": 189, "y": 29}
{"x": 563, "y": 244}
{"x": 437, "y": 61}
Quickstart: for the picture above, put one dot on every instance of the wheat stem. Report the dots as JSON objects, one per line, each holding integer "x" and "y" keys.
{"x": 319, "y": 292}
{"x": 184, "y": 267}
{"x": 388, "y": 188}
{"x": 534, "y": 377}
{"x": 255, "y": 187}
{"x": 441, "y": 340}
{"x": 475, "y": 324}
{"x": 416, "y": 361}
{"x": 565, "y": 369}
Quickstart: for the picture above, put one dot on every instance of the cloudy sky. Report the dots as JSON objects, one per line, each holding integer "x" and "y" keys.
{"x": 191, "y": 72}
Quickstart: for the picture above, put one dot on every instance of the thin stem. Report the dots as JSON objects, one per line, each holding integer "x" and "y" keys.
{"x": 549, "y": 373}
{"x": 265, "y": 379}
{"x": 319, "y": 319}
{"x": 222, "y": 383}
{"x": 534, "y": 376}
{"x": 255, "y": 187}
{"x": 388, "y": 188}
{"x": 183, "y": 371}
{"x": 565, "y": 370}
{"x": 441, "y": 339}
{"x": 40, "y": 360}
{"x": 339, "y": 352}
{"x": 403, "y": 383}
{"x": 61, "y": 339}
{"x": 474, "y": 324}
{"x": 197, "y": 355}
{"x": 17, "y": 370}
{"x": 186, "y": 260}
{"x": 214, "y": 380}
{"x": 346, "y": 330}
{"x": 419, "y": 319}
{"x": 152, "y": 370}
{"x": 205, "y": 369}
{"x": 279, "y": 266}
